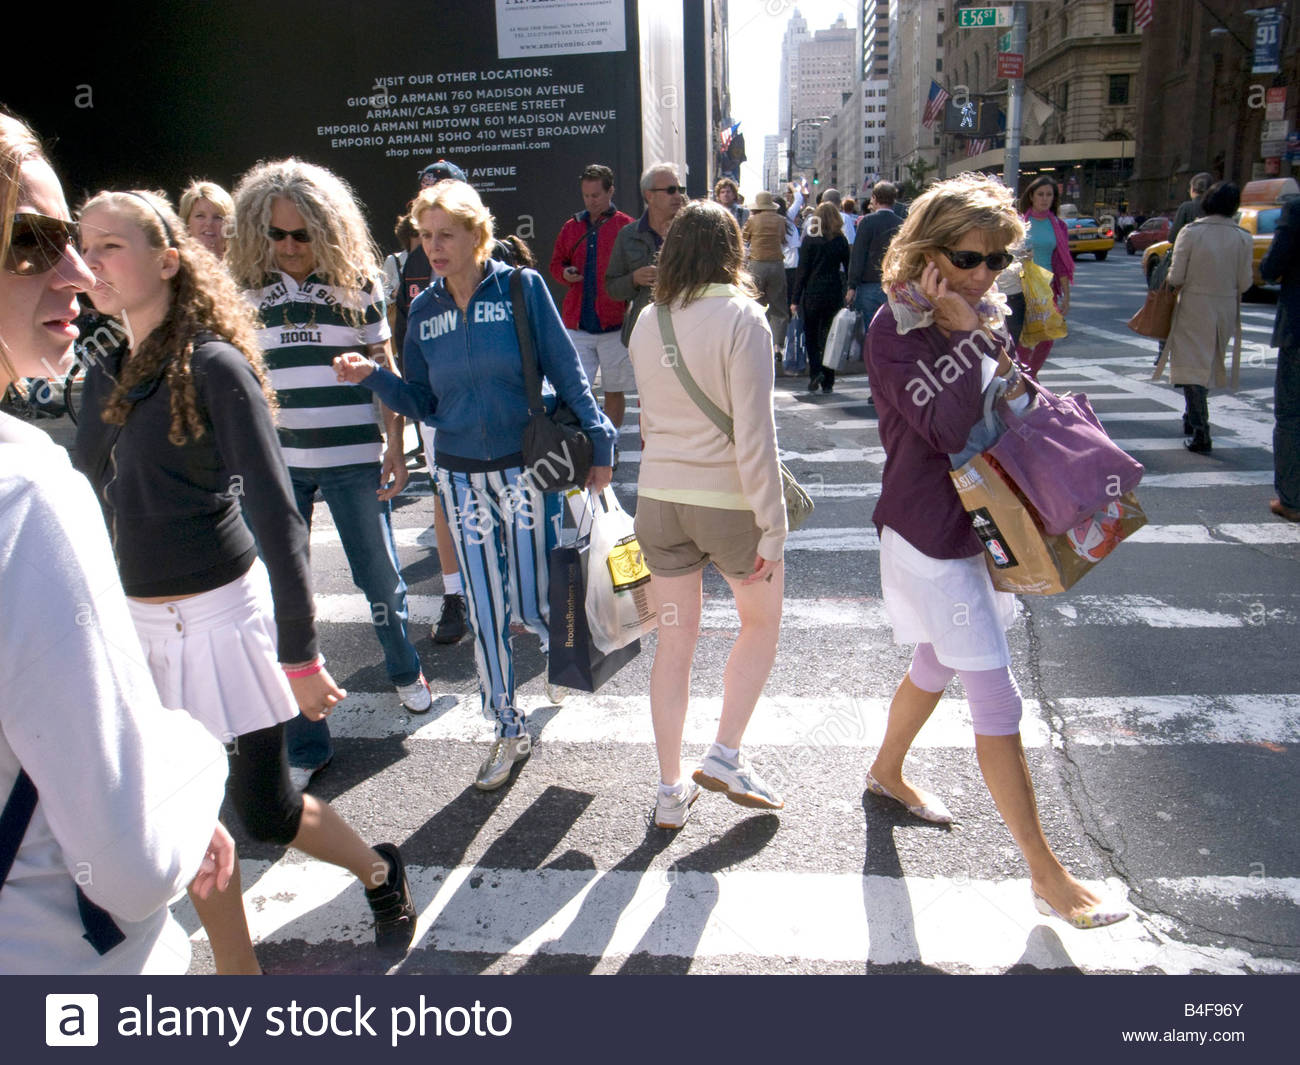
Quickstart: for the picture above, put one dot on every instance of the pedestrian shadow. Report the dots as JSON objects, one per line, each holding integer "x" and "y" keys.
{"x": 492, "y": 903}
{"x": 891, "y": 923}
{"x": 580, "y": 947}
{"x": 670, "y": 943}
{"x": 1045, "y": 954}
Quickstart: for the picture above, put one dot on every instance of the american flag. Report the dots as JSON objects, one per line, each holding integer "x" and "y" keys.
{"x": 934, "y": 106}
{"x": 1144, "y": 13}
{"x": 975, "y": 147}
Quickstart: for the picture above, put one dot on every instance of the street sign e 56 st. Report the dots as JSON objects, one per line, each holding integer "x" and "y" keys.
{"x": 977, "y": 17}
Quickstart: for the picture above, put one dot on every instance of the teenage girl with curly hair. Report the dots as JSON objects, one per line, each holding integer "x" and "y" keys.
{"x": 178, "y": 431}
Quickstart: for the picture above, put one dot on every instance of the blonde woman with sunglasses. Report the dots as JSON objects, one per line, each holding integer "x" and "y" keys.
{"x": 933, "y": 351}
{"x": 116, "y": 797}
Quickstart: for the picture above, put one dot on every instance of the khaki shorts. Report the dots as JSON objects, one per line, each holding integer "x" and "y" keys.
{"x": 680, "y": 538}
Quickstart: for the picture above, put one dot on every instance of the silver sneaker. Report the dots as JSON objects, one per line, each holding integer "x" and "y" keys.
{"x": 738, "y": 780}
{"x": 502, "y": 755}
{"x": 555, "y": 693}
{"x": 416, "y": 697}
{"x": 672, "y": 811}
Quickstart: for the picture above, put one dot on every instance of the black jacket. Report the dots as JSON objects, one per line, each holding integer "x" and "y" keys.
{"x": 875, "y": 231}
{"x": 1282, "y": 263}
{"x": 819, "y": 280}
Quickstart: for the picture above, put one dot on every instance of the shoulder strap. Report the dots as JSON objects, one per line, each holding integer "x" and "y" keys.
{"x": 524, "y": 331}
{"x": 711, "y": 410}
{"x": 101, "y": 932}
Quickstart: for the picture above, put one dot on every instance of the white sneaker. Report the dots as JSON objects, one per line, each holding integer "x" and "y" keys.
{"x": 416, "y": 697}
{"x": 300, "y": 776}
{"x": 555, "y": 693}
{"x": 738, "y": 780}
{"x": 672, "y": 809}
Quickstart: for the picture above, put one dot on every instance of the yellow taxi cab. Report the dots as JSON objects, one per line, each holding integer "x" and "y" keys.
{"x": 1259, "y": 214}
{"x": 1087, "y": 236}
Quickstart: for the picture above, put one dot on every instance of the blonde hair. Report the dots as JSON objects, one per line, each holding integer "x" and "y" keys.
{"x": 204, "y": 298}
{"x": 18, "y": 145}
{"x": 345, "y": 254}
{"x": 210, "y": 191}
{"x": 463, "y": 204}
{"x": 829, "y": 219}
{"x": 943, "y": 214}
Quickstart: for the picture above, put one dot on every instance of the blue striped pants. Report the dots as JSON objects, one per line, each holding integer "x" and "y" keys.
{"x": 502, "y": 528}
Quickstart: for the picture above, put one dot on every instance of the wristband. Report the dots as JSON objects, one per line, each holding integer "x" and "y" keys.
{"x": 305, "y": 671}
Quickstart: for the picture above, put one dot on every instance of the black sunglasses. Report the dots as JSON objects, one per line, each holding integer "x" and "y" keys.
{"x": 672, "y": 190}
{"x": 300, "y": 236}
{"x": 37, "y": 243}
{"x": 968, "y": 260}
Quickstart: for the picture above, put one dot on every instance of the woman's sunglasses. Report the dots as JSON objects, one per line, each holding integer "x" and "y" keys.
{"x": 300, "y": 236}
{"x": 37, "y": 243}
{"x": 968, "y": 260}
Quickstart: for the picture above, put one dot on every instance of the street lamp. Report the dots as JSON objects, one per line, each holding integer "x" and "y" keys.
{"x": 817, "y": 120}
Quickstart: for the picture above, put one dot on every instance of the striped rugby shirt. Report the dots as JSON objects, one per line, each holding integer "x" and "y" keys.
{"x": 322, "y": 424}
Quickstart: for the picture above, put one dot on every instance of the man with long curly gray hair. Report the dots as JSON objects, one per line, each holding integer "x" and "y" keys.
{"x": 303, "y": 254}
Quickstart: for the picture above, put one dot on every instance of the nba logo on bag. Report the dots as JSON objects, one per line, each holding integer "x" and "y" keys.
{"x": 71, "y": 1020}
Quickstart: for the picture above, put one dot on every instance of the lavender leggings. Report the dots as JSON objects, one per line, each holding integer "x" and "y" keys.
{"x": 993, "y": 695}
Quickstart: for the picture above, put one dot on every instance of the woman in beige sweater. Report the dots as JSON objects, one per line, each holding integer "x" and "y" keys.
{"x": 706, "y": 495}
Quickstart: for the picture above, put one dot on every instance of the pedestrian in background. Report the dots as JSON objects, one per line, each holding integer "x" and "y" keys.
{"x": 704, "y": 497}
{"x": 764, "y": 235}
{"x": 177, "y": 438}
{"x": 936, "y": 585}
{"x": 121, "y": 795}
{"x": 630, "y": 276}
{"x": 727, "y": 193}
{"x": 206, "y": 210}
{"x": 819, "y": 287}
{"x": 465, "y": 378}
{"x": 1282, "y": 263}
{"x": 1193, "y": 208}
{"x": 1049, "y": 246}
{"x": 593, "y": 318}
{"x": 875, "y": 230}
{"x": 1210, "y": 266}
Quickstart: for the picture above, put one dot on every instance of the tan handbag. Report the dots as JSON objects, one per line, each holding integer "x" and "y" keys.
{"x": 1156, "y": 315}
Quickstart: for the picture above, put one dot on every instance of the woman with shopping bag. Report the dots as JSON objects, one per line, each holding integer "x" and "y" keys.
{"x": 1049, "y": 245}
{"x": 933, "y": 351}
{"x": 465, "y": 376}
{"x": 1210, "y": 267}
{"x": 706, "y": 497}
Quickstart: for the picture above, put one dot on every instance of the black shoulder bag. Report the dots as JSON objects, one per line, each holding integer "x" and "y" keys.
{"x": 557, "y": 452}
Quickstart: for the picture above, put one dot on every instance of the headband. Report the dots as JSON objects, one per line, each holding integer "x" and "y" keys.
{"x": 171, "y": 237}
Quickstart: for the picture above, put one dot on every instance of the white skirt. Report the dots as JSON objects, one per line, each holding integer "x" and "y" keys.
{"x": 214, "y": 656}
{"x": 948, "y": 602}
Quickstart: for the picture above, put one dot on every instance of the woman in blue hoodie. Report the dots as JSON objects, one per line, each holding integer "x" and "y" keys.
{"x": 464, "y": 376}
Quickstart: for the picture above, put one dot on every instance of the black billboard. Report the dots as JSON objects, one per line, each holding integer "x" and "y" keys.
{"x": 521, "y": 96}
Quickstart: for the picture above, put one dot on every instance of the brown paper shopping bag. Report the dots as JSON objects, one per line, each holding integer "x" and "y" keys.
{"x": 1021, "y": 557}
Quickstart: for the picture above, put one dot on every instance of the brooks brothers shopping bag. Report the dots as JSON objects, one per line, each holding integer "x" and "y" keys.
{"x": 1021, "y": 556}
{"x": 575, "y": 661}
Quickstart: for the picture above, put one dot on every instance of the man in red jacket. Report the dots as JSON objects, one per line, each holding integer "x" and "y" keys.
{"x": 594, "y": 321}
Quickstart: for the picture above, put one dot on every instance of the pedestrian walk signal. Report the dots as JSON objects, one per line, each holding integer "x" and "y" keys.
{"x": 974, "y": 118}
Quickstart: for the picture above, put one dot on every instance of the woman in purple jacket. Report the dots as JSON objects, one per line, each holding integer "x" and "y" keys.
{"x": 933, "y": 350}
{"x": 1049, "y": 241}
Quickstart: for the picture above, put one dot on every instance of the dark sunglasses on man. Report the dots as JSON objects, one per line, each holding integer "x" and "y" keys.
{"x": 672, "y": 190}
{"x": 37, "y": 243}
{"x": 300, "y": 236}
{"x": 967, "y": 260}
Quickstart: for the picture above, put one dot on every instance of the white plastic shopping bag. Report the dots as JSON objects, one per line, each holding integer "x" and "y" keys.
{"x": 618, "y": 581}
{"x": 840, "y": 339}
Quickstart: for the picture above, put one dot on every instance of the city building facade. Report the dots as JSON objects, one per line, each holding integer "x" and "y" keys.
{"x": 916, "y": 57}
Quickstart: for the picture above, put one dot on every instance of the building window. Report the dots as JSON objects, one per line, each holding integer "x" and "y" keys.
{"x": 1118, "y": 90}
{"x": 1063, "y": 96}
{"x": 1122, "y": 18}
{"x": 938, "y": 65}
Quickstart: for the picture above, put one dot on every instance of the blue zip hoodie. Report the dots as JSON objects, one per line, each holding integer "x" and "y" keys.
{"x": 463, "y": 373}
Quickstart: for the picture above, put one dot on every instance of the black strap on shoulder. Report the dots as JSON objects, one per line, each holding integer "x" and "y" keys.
{"x": 101, "y": 932}
{"x": 528, "y": 354}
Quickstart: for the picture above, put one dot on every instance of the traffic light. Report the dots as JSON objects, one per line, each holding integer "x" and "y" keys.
{"x": 816, "y": 180}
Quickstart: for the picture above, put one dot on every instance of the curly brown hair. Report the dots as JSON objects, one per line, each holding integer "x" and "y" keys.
{"x": 204, "y": 299}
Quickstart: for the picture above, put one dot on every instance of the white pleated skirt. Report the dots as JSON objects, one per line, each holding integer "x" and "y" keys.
{"x": 948, "y": 602}
{"x": 214, "y": 656}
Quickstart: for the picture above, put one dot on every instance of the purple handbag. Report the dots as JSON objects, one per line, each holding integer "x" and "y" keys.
{"x": 1060, "y": 457}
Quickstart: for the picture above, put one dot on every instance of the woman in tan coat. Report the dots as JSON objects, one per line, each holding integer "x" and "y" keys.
{"x": 1211, "y": 268}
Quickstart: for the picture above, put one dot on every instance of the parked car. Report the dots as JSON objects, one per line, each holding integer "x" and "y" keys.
{"x": 1152, "y": 231}
{"x": 1087, "y": 236}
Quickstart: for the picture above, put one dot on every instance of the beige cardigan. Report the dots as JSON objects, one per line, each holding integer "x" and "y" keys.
{"x": 727, "y": 346}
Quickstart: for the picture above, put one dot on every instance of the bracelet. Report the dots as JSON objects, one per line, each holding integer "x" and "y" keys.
{"x": 309, "y": 670}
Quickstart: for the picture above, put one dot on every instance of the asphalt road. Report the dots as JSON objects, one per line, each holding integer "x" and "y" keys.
{"x": 1161, "y": 719}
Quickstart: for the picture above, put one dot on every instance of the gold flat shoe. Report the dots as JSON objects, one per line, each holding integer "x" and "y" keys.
{"x": 1096, "y": 917}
